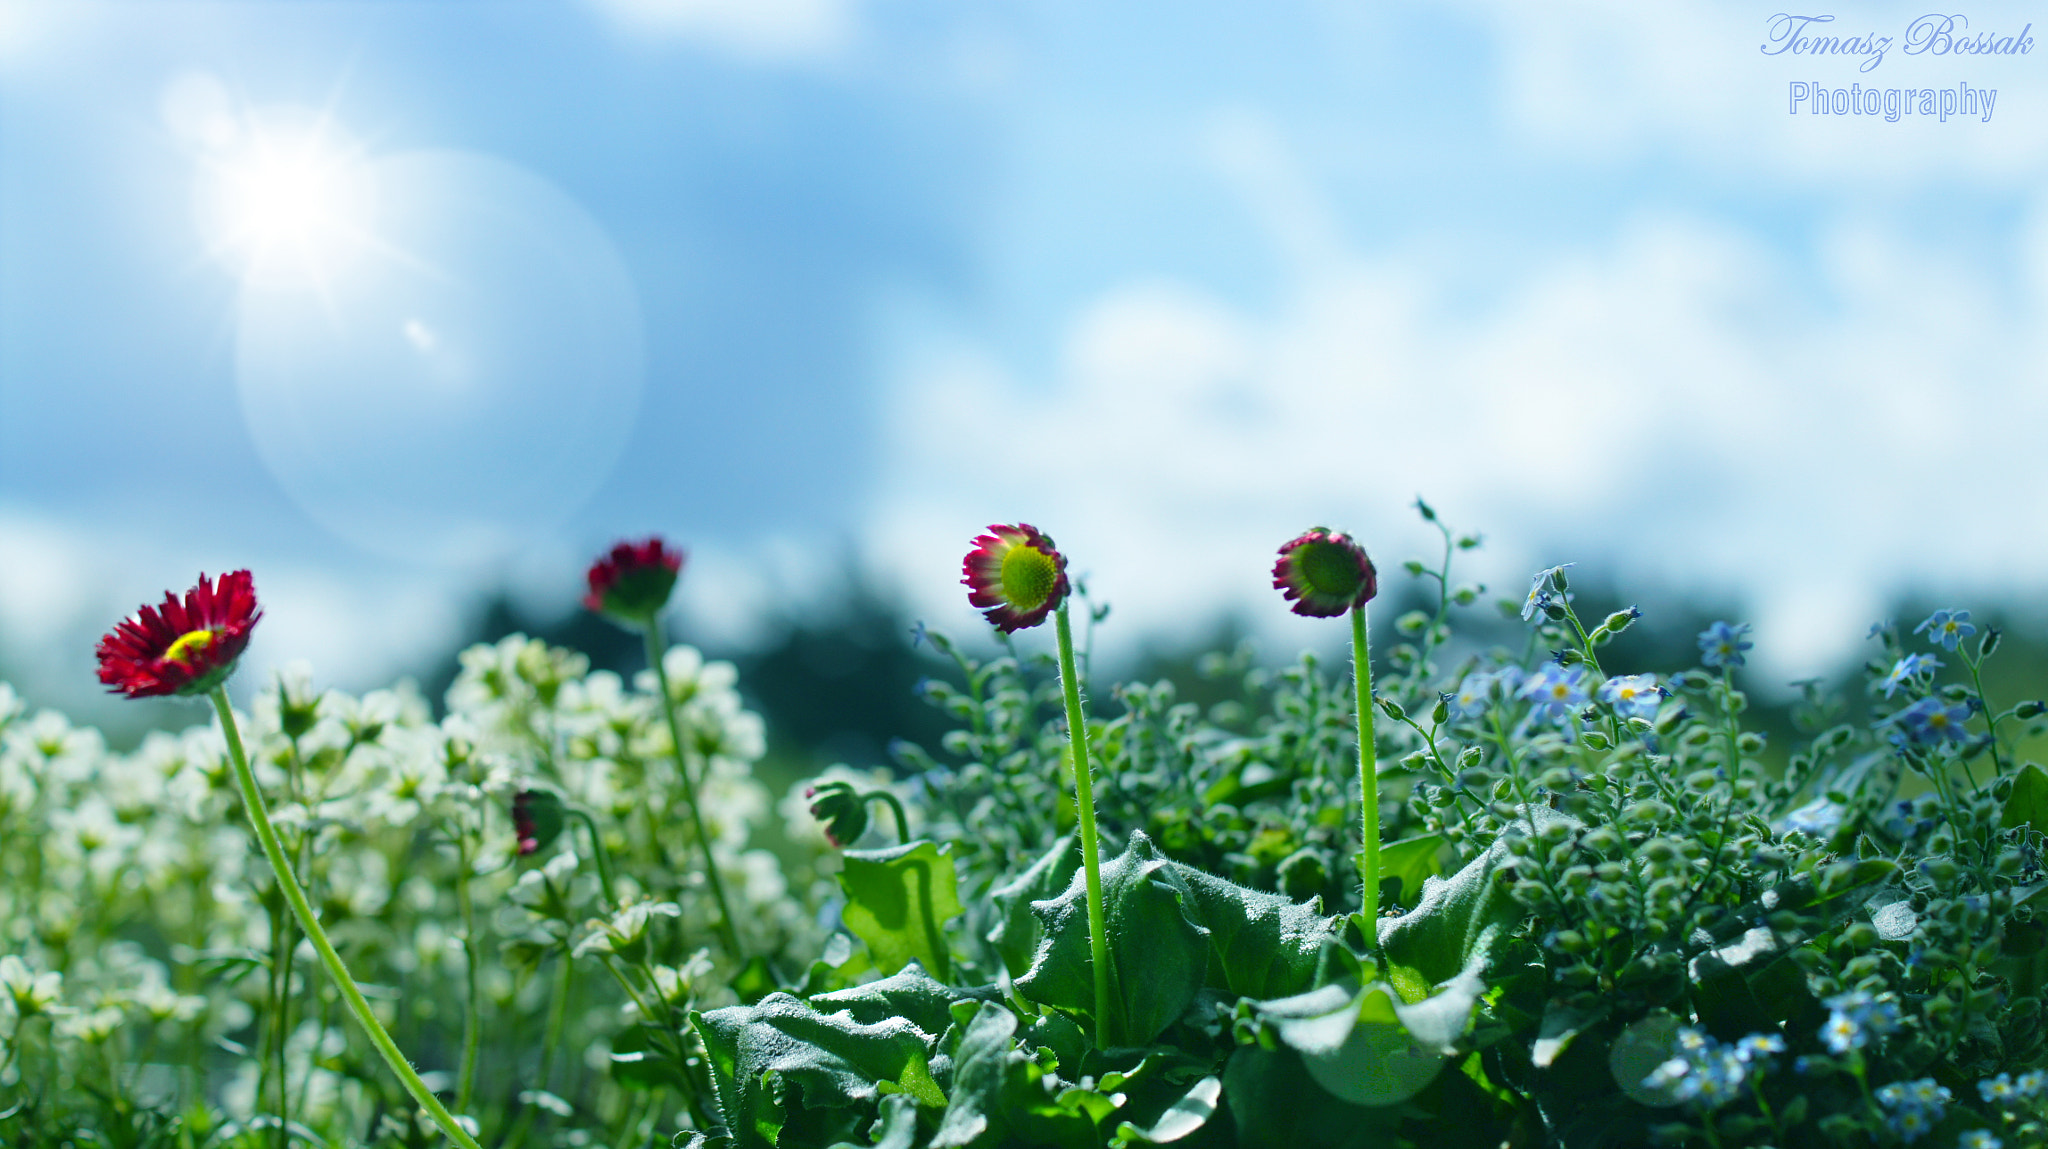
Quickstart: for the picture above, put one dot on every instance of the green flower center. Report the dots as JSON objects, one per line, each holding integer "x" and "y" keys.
{"x": 1330, "y": 569}
{"x": 188, "y": 645}
{"x": 1029, "y": 574}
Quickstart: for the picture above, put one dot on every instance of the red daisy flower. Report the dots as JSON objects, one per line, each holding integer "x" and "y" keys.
{"x": 1015, "y": 576}
{"x": 183, "y": 648}
{"x": 632, "y": 583}
{"x": 1324, "y": 573}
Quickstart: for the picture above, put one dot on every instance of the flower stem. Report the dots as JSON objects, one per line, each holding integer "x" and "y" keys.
{"x": 599, "y": 854}
{"x": 729, "y": 930}
{"x": 1084, "y": 804}
{"x": 259, "y": 819}
{"x": 1368, "y": 776}
{"x": 895, "y": 807}
{"x": 472, "y": 1012}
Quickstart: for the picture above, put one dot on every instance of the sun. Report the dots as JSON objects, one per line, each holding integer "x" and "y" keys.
{"x": 289, "y": 201}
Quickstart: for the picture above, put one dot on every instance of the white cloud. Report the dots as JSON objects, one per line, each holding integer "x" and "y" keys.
{"x": 63, "y": 585}
{"x": 1616, "y": 79}
{"x": 1665, "y": 402}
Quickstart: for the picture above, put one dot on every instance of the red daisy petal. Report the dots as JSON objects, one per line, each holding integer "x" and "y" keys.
{"x": 1325, "y": 573}
{"x": 1015, "y": 576}
{"x": 631, "y": 583}
{"x": 186, "y": 647}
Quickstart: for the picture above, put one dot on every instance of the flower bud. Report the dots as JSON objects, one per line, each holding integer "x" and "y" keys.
{"x": 537, "y": 819}
{"x": 1620, "y": 619}
{"x": 1392, "y": 708}
{"x": 2032, "y": 708}
{"x": 633, "y": 581}
{"x": 842, "y": 809}
{"x": 1324, "y": 573}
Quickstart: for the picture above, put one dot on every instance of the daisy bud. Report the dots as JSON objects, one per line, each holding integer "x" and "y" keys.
{"x": 1324, "y": 573}
{"x": 182, "y": 648}
{"x": 1015, "y": 576}
{"x": 632, "y": 582}
{"x": 537, "y": 819}
{"x": 843, "y": 810}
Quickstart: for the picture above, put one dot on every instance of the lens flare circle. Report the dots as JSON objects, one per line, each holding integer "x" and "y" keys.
{"x": 468, "y": 384}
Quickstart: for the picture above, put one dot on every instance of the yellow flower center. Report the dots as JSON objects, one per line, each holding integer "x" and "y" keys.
{"x": 188, "y": 645}
{"x": 1937, "y": 720}
{"x": 1029, "y": 574}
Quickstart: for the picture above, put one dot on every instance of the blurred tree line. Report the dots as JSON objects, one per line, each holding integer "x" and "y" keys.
{"x": 840, "y": 685}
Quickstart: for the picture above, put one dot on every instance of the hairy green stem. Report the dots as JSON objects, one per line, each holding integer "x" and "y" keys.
{"x": 895, "y": 807}
{"x": 273, "y": 850}
{"x": 599, "y": 853}
{"x": 1084, "y": 804}
{"x": 1368, "y": 774}
{"x": 472, "y": 1016}
{"x": 728, "y": 928}
{"x": 1990, "y": 715}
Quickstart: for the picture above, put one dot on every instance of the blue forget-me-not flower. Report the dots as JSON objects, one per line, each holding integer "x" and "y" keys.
{"x": 1556, "y": 691}
{"x": 1722, "y": 644}
{"x": 1633, "y": 695}
{"x": 1947, "y": 627}
{"x": 1908, "y": 669}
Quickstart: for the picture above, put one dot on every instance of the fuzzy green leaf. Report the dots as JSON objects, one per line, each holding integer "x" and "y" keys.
{"x": 1414, "y": 861}
{"x": 1181, "y": 1118}
{"x": 781, "y": 1053}
{"x": 1171, "y": 929}
{"x": 1275, "y": 1106}
{"x": 1466, "y": 917}
{"x": 1000, "y": 1095}
{"x": 2028, "y": 803}
{"x": 1263, "y": 945}
{"x": 1157, "y": 957}
{"x": 1017, "y": 931}
{"x": 898, "y": 899}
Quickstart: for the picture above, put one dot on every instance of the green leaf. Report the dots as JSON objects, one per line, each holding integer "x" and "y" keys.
{"x": 1367, "y": 1046}
{"x": 1562, "y": 1022}
{"x": 1181, "y": 1118}
{"x": 1414, "y": 861}
{"x": 1016, "y": 932}
{"x": 1000, "y": 1094}
{"x": 1171, "y": 930}
{"x": 909, "y": 993}
{"x": 1264, "y": 945}
{"x": 1275, "y": 1106}
{"x": 895, "y": 1129}
{"x": 1468, "y": 917}
{"x": 767, "y": 1058}
{"x": 896, "y": 901}
{"x": 1384, "y": 1042}
{"x": 1157, "y": 957}
{"x": 2027, "y": 805}
{"x": 637, "y": 1060}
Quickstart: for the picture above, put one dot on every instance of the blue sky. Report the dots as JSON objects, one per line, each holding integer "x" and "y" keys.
{"x": 794, "y": 278}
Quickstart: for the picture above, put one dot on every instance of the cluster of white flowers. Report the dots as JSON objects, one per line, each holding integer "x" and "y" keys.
{"x": 136, "y": 916}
